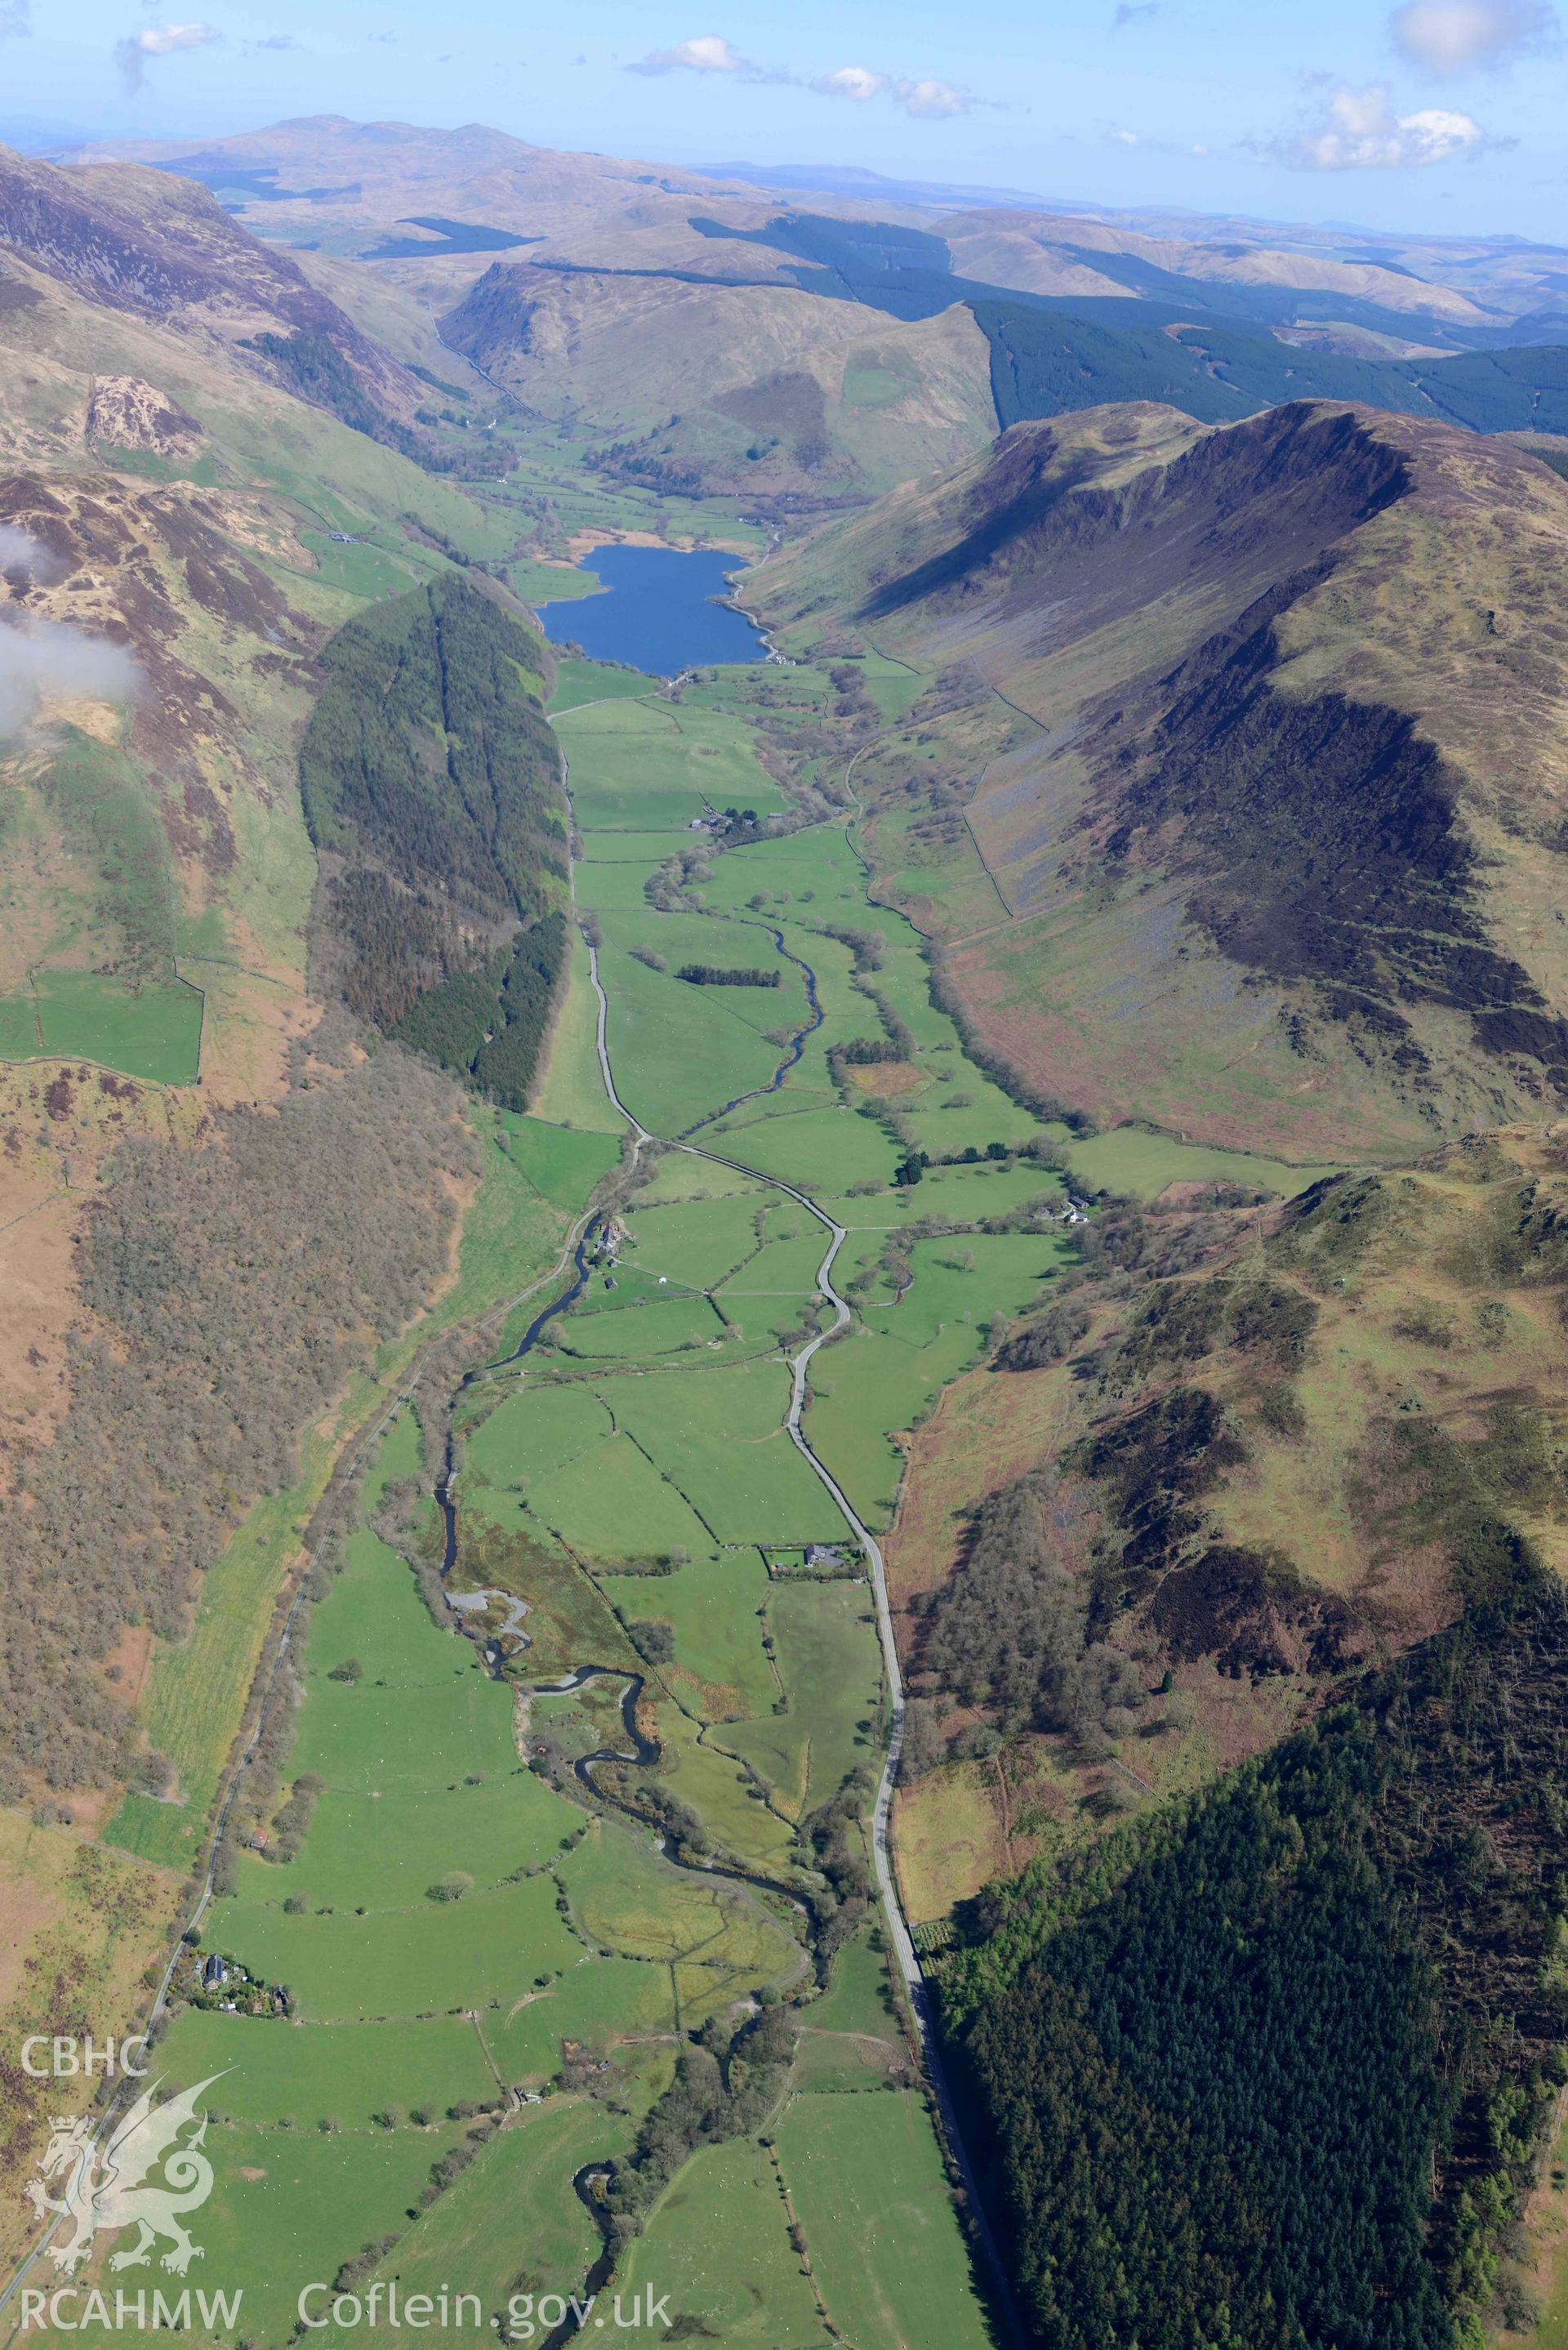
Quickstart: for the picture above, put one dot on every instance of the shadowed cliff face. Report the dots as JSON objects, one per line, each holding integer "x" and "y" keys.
{"x": 1042, "y": 512}
{"x": 1321, "y": 841}
{"x": 1296, "y": 777}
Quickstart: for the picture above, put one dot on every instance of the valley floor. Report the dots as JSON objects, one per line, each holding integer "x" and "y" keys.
{"x": 488, "y": 1899}
{"x": 516, "y": 1881}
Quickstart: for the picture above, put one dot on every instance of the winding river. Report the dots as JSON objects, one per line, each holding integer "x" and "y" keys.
{"x": 644, "y": 1752}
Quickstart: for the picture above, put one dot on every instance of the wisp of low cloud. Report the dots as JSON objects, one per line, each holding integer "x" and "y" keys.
{"x": 16, "y": 19}
{"x": 39, "y": 657}
{"x": 158, "y": 41}
{"x": 711, "y": 53}
{"x": 20, "y": 551}
{"x": 850, "y": 81}
{"x": 930, "y": 101}
{"x": 54, "y": 658}
{"x": 1450, "y": 37}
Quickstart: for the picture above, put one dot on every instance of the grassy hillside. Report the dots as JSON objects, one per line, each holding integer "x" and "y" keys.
{"x": 1378, "y": 1363}
{"x": 1043, "y": 252}
{"x": 142, "y": 242}
{"x": 760, "y": 392}
{"x": 1309, "y": 1490}
{"x": 1258, "y": 753}
{"x": 184, "y": 535}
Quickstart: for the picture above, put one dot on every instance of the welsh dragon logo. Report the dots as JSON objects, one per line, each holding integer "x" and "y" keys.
{"x": 107, "y": 2186}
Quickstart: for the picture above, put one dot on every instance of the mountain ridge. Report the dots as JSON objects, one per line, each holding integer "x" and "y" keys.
{"x": 1192, "y": 624}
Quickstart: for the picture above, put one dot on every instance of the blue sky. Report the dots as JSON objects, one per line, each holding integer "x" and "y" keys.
{"x": 1443, "y": 115}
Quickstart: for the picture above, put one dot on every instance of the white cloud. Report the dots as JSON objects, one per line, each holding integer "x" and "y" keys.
{"x": 158, "y": 41}
{"x": 21, "y": 552}
{"x": 932, "y": 100}
{"x": 52, "y": 657}
{"x": 15, "y": 18}
{"x": 276, "y": 41}
{"x": 1124, "y": 138}
{"x": 1449, "y": 36}
{"x": 851, "y": 81}
{"x": 710, "y": 52}
{"x": 1359, "y": 131}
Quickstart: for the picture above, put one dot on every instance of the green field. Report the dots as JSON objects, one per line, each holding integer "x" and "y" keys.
{"x": 622, "y": 844}
{"x": 685, "y": 761}
{"x": 703, "y": 1771}
{"x": 511, "y": 2226}
{"x": 714, "y": 1605}
{"x": 369, "y": 1852}
{"x": 153, "y": 465}
{"x": 825, "y": 1650}
{"x": 627, "y": 1901}
{"x": 798, "y": 1144}
{"x": 859, "y": 2000}
{"x": 571, "y": 1092}
{"x": 421, "y": 1714}
{"x": 562, "y": 1163}
{"x": 614, "y": 1502}
{"x": 275, "y": 2072}
{"x": 891, "y": 1371}
{"x": 293, "y": 2204}
{"x": 719, "y": 1437}
{"x": 684, "y": 1056}
{"x": 886, "y": 2247}
{"x": 601, "y": 2001}
{"x": 553, "y": 583}
{"x": 152, "y": 1032}
{"x": 365, "y": 571}
{"x": 535, "y": 1429}
{"x": 718, "y": 2243}
{"x": 512, "y": 1233}
{"x": 853, "y": 2037}
{"x": 578, "y": 681}
{"x": 702, "y": 1243}
{"x": 646, "y": 1329}
{"x": 196, "y": 1692}
{"x": 431, "y": 1957}
{"x": 1132, "y": 1160}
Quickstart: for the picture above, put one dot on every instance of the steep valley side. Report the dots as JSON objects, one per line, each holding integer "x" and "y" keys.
{"x": 1267, "y": 781}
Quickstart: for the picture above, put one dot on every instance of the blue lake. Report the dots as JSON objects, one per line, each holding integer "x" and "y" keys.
{"x": 655, "y": 613}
